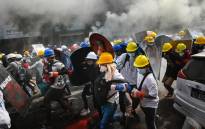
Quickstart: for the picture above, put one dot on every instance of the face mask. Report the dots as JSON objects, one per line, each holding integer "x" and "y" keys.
{"x": 181, "y": 54}
{"x": 103, "y": 68}
{"x": 142, "y": 71}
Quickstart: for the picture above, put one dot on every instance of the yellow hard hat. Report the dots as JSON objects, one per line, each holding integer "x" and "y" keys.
{"x": 118, "y": 41}
{"x": 166, "y": 47}
{"x": 200, "y": 40}
{"x": 152, "y": 34}
{"x": 26, "y": 53}
{"x": 182, "y": 33}
{"x": 1, "y": 55}
{"x": 131, "y": 47}
{"x": 105, "y": 58}
{"x": 149, "y": 39}
{"x": 141, "y": 61}
{"x": 40, "y": 53}
{"x": 180, "y": 47}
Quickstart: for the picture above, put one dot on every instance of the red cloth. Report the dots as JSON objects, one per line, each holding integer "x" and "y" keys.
{"x": 83, "y": 123}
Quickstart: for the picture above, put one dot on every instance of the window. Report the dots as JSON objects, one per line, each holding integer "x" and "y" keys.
{"x": 195, "y": 70}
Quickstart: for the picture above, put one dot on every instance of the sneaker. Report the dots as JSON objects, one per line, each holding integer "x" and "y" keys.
{"x": 85, "y": 112}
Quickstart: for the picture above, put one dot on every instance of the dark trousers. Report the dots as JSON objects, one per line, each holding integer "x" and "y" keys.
{"x": 53, "y": 94}
{"x": 86, "y": 92}
{"x": 4, "y": 126}
{"x": 149, "y": 117}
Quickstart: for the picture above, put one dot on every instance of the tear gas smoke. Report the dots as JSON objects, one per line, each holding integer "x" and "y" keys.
{"x": 158, "y": 15}
{"x": 117, "y": 17}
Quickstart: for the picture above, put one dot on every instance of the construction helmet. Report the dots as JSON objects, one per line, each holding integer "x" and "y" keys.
{"x": 105, "y": 58}
{"x": 40, "y": 53}
{"x": 182, "y": 33}
{"x": 49, "y": 52}
{"x": 1, "y": 55}
{"x": 92, "y": 56}
{"x": 11, "y": 56}
{"x": 152, "y": 34}
{"x": 141, "y": 61}
{"x": 131, "y": 47}
{"x": 166, "y": 47}
{"x": 118, "y": 41}
{"x": 180, "y": 47}
{"x": 200, "y": 40}
{"x": 26, "y": 53}
{"x": 149, "y": 39}
{"x": 117, "y": 48}
{"x": 19, "y": 56}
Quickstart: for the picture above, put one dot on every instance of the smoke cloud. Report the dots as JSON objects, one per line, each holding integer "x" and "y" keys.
{"x": 158, "y": 15}
{"x": 117, "y": 17}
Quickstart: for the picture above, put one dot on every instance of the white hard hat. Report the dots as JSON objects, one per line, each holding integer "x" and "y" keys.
{"x": 19, "y": 56}
{"x": 63, "y": 47}
{"x": 11, "y": 55}
{"x": 91, "y": 55}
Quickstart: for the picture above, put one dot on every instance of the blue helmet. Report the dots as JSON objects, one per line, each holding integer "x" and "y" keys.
{"x": 84, "y": 44}
{"x": 117, "y": 48}
{"x": 49, "y": 52}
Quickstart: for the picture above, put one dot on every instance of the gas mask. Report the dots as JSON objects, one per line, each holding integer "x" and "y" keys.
{"x": 103, "y": 68}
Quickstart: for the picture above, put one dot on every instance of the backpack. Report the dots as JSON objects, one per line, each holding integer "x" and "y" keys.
{"x": 101, "y": 89}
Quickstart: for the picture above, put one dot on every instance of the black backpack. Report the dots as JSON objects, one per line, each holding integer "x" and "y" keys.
{"x": 101, "y": 89}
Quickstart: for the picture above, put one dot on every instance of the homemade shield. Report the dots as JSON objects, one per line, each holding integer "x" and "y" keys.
{"x": 100, "y": 44}
{"x": 37, "y": 47}
{"x": 77, "y": 59}
{"x": 188, "y": 43}
{"x": 139, "y": 37}
{"x": 13, "y": 93}
{"x": 154, "y": 53}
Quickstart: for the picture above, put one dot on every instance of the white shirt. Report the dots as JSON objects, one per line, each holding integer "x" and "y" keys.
{"x": 4, "y": 115}
{"x": 128, "y": 71}
{"x": 115, "y": 98}
{"x": 149, "y": 86}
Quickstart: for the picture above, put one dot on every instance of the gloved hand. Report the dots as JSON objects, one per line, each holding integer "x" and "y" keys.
{"x": 137, "y": 94}
{"x": 118, "y": 87}
{"x": 53, "y": 74}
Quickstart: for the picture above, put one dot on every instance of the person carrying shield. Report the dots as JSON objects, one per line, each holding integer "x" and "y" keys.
{"x": 146, "y": 90}
{"x": 173, "y": 67}
{"x": 106, "y": 88}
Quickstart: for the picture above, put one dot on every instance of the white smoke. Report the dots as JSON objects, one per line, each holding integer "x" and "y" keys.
{"x": 68, "y": 12}
{"x": 158, "y": 15}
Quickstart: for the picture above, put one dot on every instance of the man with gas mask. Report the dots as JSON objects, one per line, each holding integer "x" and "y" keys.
{"x": 126, "y": 68}
{"x": 146, "y": 90}
{"x": 92, "y": 71}
{"x": 56, "y": 72}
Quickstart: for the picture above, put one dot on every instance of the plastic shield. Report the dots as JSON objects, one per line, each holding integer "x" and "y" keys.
{"x": 38, "y": 47}
{"x": 77, "y": 58}
{"x": 100, "y": 44}
{"x": 154, "y": 53}
{"x": 13, "y": 93}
